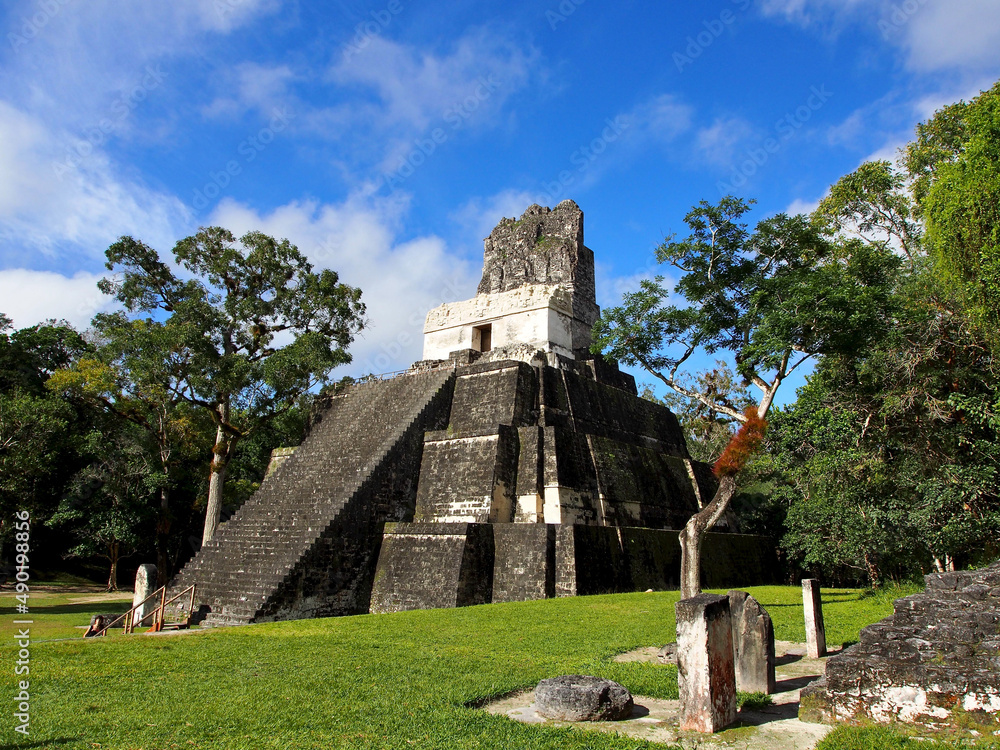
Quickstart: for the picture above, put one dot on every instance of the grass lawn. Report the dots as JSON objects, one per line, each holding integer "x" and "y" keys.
{"x": 374, "y": 681}
{"x": 59, "y": 609}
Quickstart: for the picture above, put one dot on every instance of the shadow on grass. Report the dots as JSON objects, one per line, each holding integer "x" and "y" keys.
{"x": 45, "y": 743}
{"x": 834, "y": 599}
{"x": 74, "y": 609}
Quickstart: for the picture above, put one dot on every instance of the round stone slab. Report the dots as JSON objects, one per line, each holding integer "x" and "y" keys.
{"x": 577, "y": 697}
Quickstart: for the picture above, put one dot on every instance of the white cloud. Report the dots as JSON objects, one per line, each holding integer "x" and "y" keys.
{"x": 49, "y": 205}
{"x": 31, "y": 297}
{"x": 802, "y": 206}
{"x": 808, "y": 11}
{"x": 950, "y": 35}
{"x": 719, "y": 142}
{"x": 71, "y": 67}
{"x": 400, "y": 279}
{"x": 418, "y": 88}
{"x": 260, "y": 87}
{"x": 937, "y": 35}
{"x": 660, "y": 119}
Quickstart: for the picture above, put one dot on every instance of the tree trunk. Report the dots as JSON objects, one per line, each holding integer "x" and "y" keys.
{"x": 874, "y": 574}
{"x": 221, "y": 452}
{"x": 693, "y": 533}
{"x": 162, "y": 536}
{"x": 113, "y": 574}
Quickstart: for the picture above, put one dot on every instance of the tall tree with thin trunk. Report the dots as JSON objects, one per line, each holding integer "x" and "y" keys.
{"x": 771, "y": 299}
{"x": 248, "y": 327}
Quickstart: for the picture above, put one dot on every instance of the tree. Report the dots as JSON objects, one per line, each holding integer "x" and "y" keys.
{"x": 955, "y": 165}
{"x": 772, "y": 299}
{"x": 33, "y": 445}
{"x": 220, "y": 325}
{"x": 29, "y": 356}
{"x": 38, "y": 431}
{"x": 706, "y": 431}
{"x": 131, "y": 375}
{"x": 107, "y": 504}
{"x": 894, "y": 451}
{"x": 872, "y": 203}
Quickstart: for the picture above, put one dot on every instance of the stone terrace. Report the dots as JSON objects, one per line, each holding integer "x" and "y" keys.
{"x": 938, "y": 654}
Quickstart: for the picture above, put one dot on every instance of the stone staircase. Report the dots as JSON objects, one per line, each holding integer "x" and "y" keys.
{"x": 301, "y": 545}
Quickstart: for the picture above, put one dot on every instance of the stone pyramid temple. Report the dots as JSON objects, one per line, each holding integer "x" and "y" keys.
{"x": 508, "y": 464}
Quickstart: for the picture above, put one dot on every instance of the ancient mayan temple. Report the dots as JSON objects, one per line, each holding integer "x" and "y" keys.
{"x": 508, "y": 464}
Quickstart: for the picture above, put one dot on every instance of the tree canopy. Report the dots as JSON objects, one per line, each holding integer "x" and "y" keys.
{"x": 955, "y": 165}
{"x": 243, "y": 329}
{"x": 771, "y": 299}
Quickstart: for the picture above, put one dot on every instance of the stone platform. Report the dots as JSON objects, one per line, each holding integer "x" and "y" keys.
{"x": 774, "y": 727}
{"x": 935, "y": 661}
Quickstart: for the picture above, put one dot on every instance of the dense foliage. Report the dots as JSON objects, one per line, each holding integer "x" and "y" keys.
{"x": 887, "y": 463}
{"x": 120, "y": 441}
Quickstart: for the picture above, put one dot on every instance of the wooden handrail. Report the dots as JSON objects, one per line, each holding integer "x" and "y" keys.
{"x": 128, "y": 615}
{"x": 157, "y": 614}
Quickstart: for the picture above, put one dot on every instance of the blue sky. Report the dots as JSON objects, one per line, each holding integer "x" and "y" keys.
{"x": 386, "y": 138}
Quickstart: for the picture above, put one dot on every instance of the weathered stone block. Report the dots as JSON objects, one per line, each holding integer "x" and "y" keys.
{"x": 935, "y": 661}
{"x": 706, "y": 673}
{"x": 812, "y": 606}
{"x": 145, "y": 584}
{"x": 753, "y": 644}
{"x": 432, "y": 565}
{"x": 525, "y": 561}
{"x": 582, "y": 698}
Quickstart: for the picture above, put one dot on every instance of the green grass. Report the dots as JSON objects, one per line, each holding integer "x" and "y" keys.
{"x": 888, "y": 738}
{"x": 753, "y": 701}
{"x": 57, "y": 614}
{"x": 374, "y": 681}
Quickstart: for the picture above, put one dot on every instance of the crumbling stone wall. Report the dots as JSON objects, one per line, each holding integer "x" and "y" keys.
{"x": 935, "y": 658}
{"x": 544, "y": 246}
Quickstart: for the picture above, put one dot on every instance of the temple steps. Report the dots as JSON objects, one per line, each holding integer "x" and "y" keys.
{"x": 257, "y": 552}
